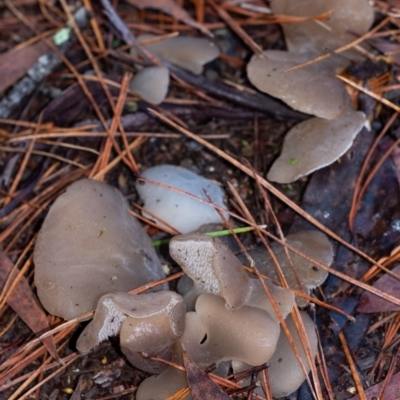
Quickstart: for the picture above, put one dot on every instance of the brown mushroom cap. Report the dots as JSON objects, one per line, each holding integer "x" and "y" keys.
{"x": 312, "y": 243}
{"x": 319, "y": 36}
{"x": 184, "y": 51}
{"x": 149, "y": 323}
{"x": 151, "y": 84}
{"x": 314, "y": 144}
{"x": 212, "y": 266}
{"x": 285, "y": 373}
{"x": 303, "y": 89}
{"x": 89, "y": 245}
{"x": 216, "y": 334}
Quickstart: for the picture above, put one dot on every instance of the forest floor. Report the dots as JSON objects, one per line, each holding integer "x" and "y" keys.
{"x": 53, "y": 120}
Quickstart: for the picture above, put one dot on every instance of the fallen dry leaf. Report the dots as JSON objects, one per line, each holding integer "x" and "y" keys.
{"x": 171, "y": 8}
{"x": 201, "y": 386}
{"x": 17, "y": 61}
{"x": 370, "y": 303}
{"x": 24, "y": 302}
{"x": 392, "y": 391}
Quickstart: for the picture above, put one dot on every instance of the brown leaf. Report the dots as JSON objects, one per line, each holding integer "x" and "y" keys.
{"x": 370, "y": 303}
{"x": 17, "y": 61}
{"x": 392, "y": 391}
{"x": 24, "y": 302}
{"x": 171, "y": 8}
{"x": 201, "y": 386}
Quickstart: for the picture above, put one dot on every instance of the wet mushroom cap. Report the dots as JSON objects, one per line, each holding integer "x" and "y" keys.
{"x": 151, "y": 84}
{"x": 184, "y": 51}
{"x": 303, "y": 89}
{"x": 314, "y": 244}
{"x": 181, "y": 211}
{"x": 314, "y": 144}
{"x": 285, "y": 374}
{"x": 248, "y": 334}
{"x": 212, "y": 267}
{"x": 90, "y": 245}
{"x": 319, "y": 36}
{"x": 149, "y": 323}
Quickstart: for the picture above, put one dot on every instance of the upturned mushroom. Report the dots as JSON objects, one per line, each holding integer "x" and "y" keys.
{"x": 302, "y": 89}
{"x": 300, "y": 273}
{"x": 316, "y": 37}
{"x": 181, "y": 211}
{"x": 187, "y": 52}
{"x": 314, "y": 144}
{"x": 89, "y": 245}
{"x": 149, "y": 323}
{"x": 151, "y": 84}
{"x": 216, "y": 270}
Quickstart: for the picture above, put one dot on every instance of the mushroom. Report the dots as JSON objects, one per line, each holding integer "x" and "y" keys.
{"x": 181, "y": 211}
{"x": 314, "y": 144}
{"x": 89, "y": 245}
{"x": 215, "y": 269}
{"x": 319, "y": 36}
{"x": 314, "y": 244}
{"x": 150, "y": 323}
{"x": 151, "y": 84}
{"x": 170, "y": 381}
{"x": 304, "y": 89}
{"x": 216, "y": 334}
{"x": 285, "y": 374}
{"x": 186, "y": 52}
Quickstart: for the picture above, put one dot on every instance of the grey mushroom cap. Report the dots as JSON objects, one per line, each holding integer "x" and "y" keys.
{"x": 285, "y": 373}
{"x": 187, "y": 52}
{"x": 180, "y": 210}
{"x": 319, "y": 36}
{"x": 216, "y": 334}
{"x": 314, "y": 244}
{"x": 314, "y": 144}
{"x": 303, "y": 89}
{"x": 90, "y": 245}
{"x": 151, "y": 84}
{"x": 149, "y": 323}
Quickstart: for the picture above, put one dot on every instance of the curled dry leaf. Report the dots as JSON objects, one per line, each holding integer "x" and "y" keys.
{"x": 303, "y": 89}
{"x": 24, "y": 302}
{"x": 370, "y": 303}
{"x": 201, "y": 386}
{"x": 314, "y": 144}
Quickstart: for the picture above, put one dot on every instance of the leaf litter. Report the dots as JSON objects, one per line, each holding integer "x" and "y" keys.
{"x": 60, "y": 107}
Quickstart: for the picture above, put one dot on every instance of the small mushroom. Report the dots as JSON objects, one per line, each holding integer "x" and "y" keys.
{"x": 215, "y": 269}
{"x": 151, "y": 84}
{"x": 285, "y": 374}
{"x": 90, "y": 245}
{"x": 314, "y": 244}
{"x": 184, "y": 51}
{"x": 182, "y": 212}
{"x": 216, "y": 334}
{"x": 313, "y": 90}
{"x": 149, "y": 323}
{"x": 314, "y": 144}
{"x": 319, "y": 36}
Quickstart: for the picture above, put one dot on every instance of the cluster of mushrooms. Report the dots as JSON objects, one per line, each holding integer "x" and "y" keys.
{"x": 91, "y": 251}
